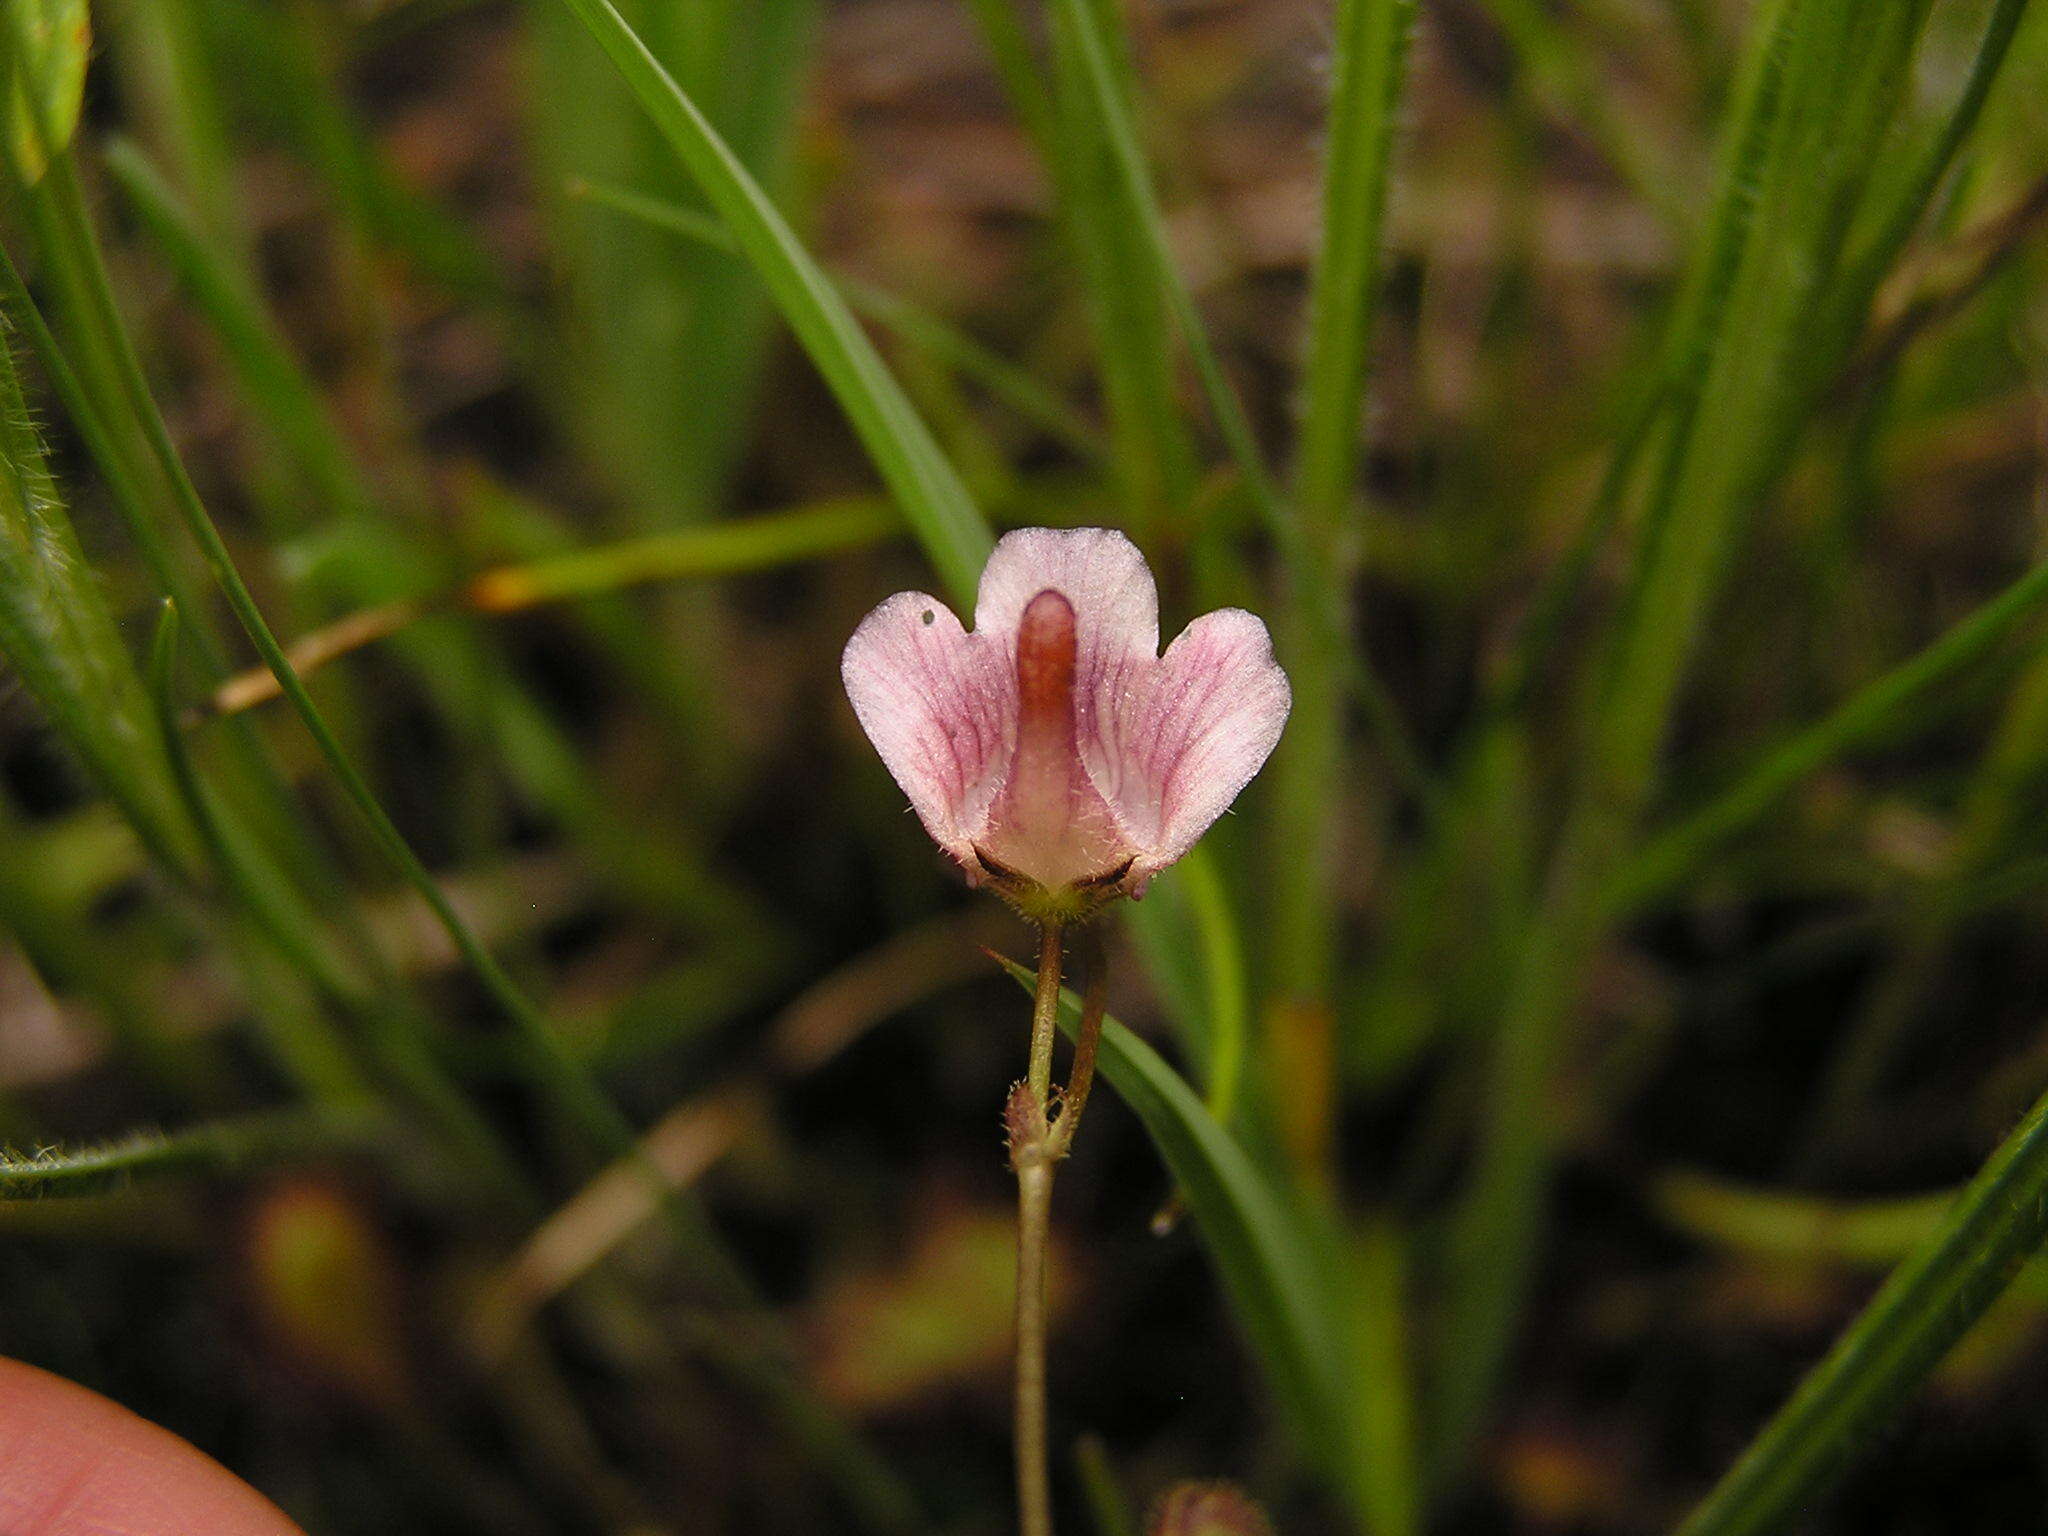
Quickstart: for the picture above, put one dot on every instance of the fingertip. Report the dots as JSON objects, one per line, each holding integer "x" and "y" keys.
{"x": 73, "y": 1463}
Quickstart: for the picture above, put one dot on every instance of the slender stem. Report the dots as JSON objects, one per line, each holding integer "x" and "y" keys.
{"x": 1045, "y": 1013}
{"x": 1034, "y": 1225}
{"x": 1081, "y": 1076}
{"x": 1033, "y": 1157}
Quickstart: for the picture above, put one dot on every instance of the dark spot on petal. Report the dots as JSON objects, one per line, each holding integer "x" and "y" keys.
{"x": 930, "y": 617}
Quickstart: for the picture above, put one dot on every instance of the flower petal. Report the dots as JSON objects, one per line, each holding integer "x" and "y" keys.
{"x": 1098, "y": 570}
{"x": 1182, "y": 745}
{"x": 940, "y": 706}
{"x": 1116, "y": 611}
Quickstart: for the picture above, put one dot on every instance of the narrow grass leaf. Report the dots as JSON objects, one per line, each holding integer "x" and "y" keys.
{"x": 1928, "y": 1304}
{"x": 1886, "y": 705}
{"x": 1376, "y": 1318}
{"x": 1103, "y": 221}
{"x": 930, "y": 492}
{"x": 272, "y": 378}
{"x": 1369, "y": 60}
{"x": 943, "y": 341}
{"x": 59, "y": 638}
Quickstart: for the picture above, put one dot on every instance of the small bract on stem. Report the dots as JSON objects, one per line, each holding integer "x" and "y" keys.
{"x": 1060, "y": 759}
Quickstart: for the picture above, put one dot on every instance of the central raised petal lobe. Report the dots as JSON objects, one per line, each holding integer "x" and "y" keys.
{"x": 1050, "y": 824}
{"x": 1053, "y": 743}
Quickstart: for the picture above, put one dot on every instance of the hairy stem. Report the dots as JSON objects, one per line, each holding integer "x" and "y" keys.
{"x": 1033, "y": 1157}
{"x": 1045, "y": 1014}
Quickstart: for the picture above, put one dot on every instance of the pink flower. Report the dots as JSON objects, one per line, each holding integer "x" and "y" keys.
{"x": 1053, "y": 751}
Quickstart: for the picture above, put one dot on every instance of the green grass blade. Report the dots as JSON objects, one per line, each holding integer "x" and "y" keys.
{"x": 1901, "y": 206}
{"x": 1220, "y": 945}
{"x": 160, "y": 54}
{"x": 1927, "y": 1305}
{"x": 59, "y": 638}
{"x": 583, "y": 1102}
{"x": 1096, "y": 73}
{"x": 274, "y": 77}
{"x": 315, "y": 1056}
{"x": 1104, "y": 223}
{"x": 1107, "y": 1506}
{"x": 261, "y": 791}
{"x": 1771, "y": 1224}
{"x": 925, "y": 485}
{"x": 382, "y": 553}
{"x": 309, "y": 1047}
{"x": 556, "y": 1072}
{"x": 1008, "y": 45}
{"x": 1559, "y": 66}
{"x": 766, "y": 542}
{"x": 1821, "y": 88}
{"x": 1885, "y": 705}
{"x": 939, "y": 338}
{"x": 83, "y": 380}
{"x": 1377, "y": 1318}
{"x": 639, "y": 302}
{"x": 1370, "y": 61}
{"x": 1370, "y": 58}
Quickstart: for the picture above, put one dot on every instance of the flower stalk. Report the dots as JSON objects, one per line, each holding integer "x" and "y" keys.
{"x": 1037, "y": 1141}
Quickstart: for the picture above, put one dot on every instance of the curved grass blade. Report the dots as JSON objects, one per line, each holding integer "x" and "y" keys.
{"x": 1900, "y": 207}
{"x": 1865, "y": 1234}
{"x": 913, "y": 323}
{"x": 1928, "y": 1304}
{"x": 769, "y": 541}
{"x": 1308, "y": 803}
{"x": 925, "y": 484}
{"x": 374, "y": 553}
{"x": 402, "y": 1042}
{"x": 1881, "y": 705}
